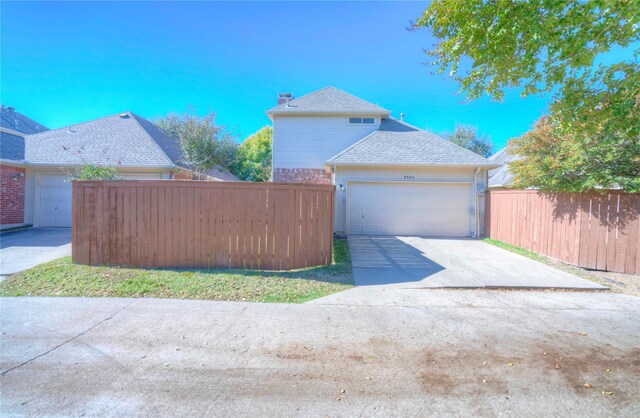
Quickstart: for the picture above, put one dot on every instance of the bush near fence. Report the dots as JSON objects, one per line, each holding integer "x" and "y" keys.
{"x": 599, "y": 231}
{"x": 187, "y": 224}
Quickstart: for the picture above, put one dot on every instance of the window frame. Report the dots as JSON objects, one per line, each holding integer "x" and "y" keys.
{"x": 361, "y": 120}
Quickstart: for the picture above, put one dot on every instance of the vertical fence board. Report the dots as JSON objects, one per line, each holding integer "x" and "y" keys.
{"x": 152, "y": 223}
{"x": 592, "y": 230}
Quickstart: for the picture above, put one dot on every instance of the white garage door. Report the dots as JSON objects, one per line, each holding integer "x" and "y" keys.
{"x": 53, "y": 197}
{"x": 423, "y": 209}
{"x": 53, "y": 200}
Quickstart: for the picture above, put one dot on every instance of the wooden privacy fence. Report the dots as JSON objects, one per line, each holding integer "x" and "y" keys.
{"x": 173, "y": 223}
{"x": 595, "y": 231}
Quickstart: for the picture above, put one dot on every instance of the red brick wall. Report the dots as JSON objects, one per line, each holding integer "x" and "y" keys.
{"x": 301, "y": 175}
{"x": 11, "y": 195}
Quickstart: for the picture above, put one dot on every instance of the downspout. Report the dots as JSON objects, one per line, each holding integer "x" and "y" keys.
{"x": 475, "y": 203}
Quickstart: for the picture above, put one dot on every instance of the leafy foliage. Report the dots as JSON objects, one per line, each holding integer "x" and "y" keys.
{"x": 253, "y": 162}
{"x": 551, "y": 46}
{"x": 553, "y": 160}
{"x": 467, "y": 137}
{"x": 205, "y": 144}
{"x": 537, "y": 43}
{"x": 95, "y": 172}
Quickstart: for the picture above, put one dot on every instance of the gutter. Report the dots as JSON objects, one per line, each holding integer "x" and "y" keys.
{"x": 161, "y": 167}
{"x": 471, "y": 165}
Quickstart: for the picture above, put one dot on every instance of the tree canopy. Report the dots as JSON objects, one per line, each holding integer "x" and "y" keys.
{"x": 205, "y": 144}
{"x": 253, "y": 162}
{"x": 555, "y": 47}
{"x": 467, "y": 137}
{"x": 552, "y": 160}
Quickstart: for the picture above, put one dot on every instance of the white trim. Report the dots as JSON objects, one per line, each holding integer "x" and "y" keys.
{"x": 13, "y": 163}
{"x": 350, "y": 164}
{"x": 12, "y": 132}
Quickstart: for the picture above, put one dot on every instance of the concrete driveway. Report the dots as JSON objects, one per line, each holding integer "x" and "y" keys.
{"x": 26, "y": 248}
{"x": 451, "y": 263}
{"x": 449, "y": 353}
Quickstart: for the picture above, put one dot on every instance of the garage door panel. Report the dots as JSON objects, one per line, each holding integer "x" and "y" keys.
{"x": 436, "y": 209}
{"x": 54, "y": 200}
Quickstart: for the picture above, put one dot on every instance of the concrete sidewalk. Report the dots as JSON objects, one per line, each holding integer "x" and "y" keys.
{"x": 462, "y": 353}
{"x": 414, "y": 262}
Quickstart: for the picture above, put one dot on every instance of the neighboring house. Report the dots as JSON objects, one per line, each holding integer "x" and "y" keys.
{"x": 501, "y": 177}
{"x": 18, "y": 122}
{"x": 392, "y": 178}
{"x": 135, "y": 145}
{"x": 14, "y": 126}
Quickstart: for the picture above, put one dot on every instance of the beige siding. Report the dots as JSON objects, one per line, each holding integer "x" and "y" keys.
{"x": 30, "y": 204}
{"x": 344, "y": 175}
{"x": 309, "y": 141}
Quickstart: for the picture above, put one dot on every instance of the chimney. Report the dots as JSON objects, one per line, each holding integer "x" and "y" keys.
{"x": 10, "y": 109}
{"x": 284, "y": 98}
{"x": 401, "y": 117}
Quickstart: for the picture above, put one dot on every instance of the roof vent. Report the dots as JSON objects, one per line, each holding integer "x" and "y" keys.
{"x": 285, "y": 98}
{"x": 401, "y": 117}
{"x": 123, "y": 116}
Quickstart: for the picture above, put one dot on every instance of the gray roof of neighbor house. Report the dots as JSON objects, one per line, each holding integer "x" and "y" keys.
{"x": 11, "y": 146}
{"x": 501, "y": 176}
{"x": 10, "y": 119}
{"x": 328, "y": 100}
{"x": 397, "y": 143}
{"x": 119, "y": 140}
{"x": 125, "y": 140}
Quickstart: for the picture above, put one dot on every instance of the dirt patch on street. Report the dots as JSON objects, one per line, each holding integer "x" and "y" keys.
{"x": 445, "y": 369}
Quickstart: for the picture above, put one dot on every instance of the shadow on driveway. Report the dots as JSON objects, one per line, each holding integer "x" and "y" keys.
{"x": 386, "y": 260}
{"x": 451, "y": 263}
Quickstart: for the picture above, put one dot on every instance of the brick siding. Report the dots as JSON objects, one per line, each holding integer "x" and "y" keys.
{"x": 11, "y": 195}
{"x": 301, "y": 175}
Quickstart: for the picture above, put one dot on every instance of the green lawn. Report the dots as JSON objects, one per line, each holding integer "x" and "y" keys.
{"x": 64, "y": 278}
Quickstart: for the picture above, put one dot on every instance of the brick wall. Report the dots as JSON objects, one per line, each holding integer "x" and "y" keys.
{"x": 301, "y": 175}
{"x": 11, "y": 195}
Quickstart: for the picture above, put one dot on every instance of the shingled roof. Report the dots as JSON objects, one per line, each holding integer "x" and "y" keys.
{"x": 10, "y": 119}
{"x": 501, "y": 176}
{"x": 329, "y": 100}
{"x": 397, "y": 143}
{"x": 11, "y": 146}
{"x": 124, "y": 139}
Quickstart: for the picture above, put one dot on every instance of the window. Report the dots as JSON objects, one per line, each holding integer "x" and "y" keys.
{"x": 362, "y": 121}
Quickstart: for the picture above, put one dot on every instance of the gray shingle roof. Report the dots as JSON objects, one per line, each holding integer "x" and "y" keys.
{"x": 501, "y": 176}
{"x": 18, "y": 122}
{"x": 397, "y": 143}
{"x": 11, "y": 146}
{"x": 328, "y": 100}
{"x": 122, "y": 140}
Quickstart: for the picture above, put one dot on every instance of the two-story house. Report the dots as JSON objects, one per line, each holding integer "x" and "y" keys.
{"x": 391, "y": 178}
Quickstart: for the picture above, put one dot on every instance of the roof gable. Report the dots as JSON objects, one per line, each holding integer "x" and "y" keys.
{"x": 329, "y": 100}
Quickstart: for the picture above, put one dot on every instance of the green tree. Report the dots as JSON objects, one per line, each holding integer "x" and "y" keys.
{"x": 553, "y": 160}
{"x": 95, "y": 172}
{"x": 253, "y": 162}
{"x": 205, "y": 144}
{"x": 550, "y": 46}
{"x": 467, "y": 137}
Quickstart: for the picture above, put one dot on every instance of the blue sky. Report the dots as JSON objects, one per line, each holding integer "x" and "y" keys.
{"x": 65, "y": 63}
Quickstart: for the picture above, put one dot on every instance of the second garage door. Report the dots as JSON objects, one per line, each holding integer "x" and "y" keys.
{"x": 53, "y": 197}
{"x": 422, "y": 209}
